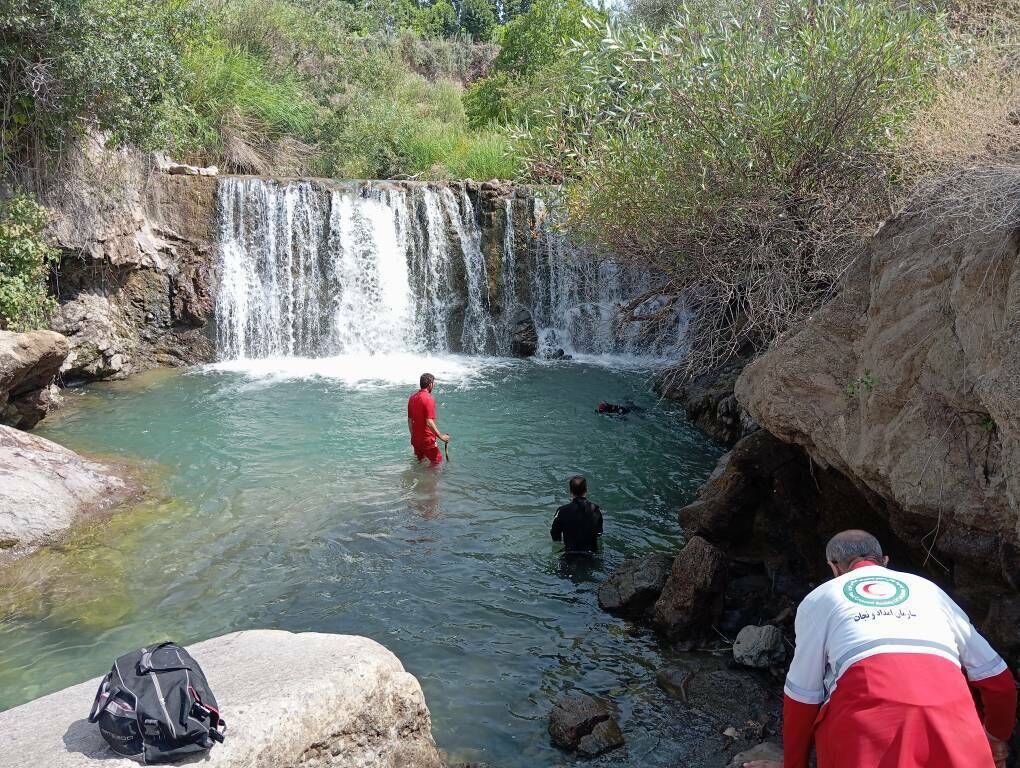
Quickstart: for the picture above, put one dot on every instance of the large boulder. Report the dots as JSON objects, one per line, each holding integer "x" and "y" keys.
{"x": 635, "y": 586}
{"x": 45, "y": 487}
{"x": 692, "y": 597}
{"x": 908, "y": 384}
{"x": 29, "y": 362}
{"x": 304, "y": 700}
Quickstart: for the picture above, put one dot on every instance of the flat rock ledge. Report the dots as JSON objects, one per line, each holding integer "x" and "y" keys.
{"x": 305, "y": 700}
{"x": 45, "y": 488}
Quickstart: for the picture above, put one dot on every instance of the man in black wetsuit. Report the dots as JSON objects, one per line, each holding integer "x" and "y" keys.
{"x": 578, "y": 524}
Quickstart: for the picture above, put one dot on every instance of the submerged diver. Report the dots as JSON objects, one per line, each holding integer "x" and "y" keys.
{"x": 578, "y": 524}
{"x": 611, "y": 409}
{"x": 421, "y": 422}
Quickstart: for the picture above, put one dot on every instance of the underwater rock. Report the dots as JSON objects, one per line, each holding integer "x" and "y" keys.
{"x": 306, "y": 700}
{"x": 583, "y": 723}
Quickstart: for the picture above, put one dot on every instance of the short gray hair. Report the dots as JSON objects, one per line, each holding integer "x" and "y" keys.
{"x": 845, "y": 546}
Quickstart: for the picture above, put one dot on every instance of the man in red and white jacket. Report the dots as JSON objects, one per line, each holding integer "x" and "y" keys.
{"x": 877, "y": 678}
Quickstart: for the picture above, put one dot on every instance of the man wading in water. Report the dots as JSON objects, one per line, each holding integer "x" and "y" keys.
{"x": 579, "y": 523}
{"x": 877, "y": 679}
{"x": 421, "y": 422}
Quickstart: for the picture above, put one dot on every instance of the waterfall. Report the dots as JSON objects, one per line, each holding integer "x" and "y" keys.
{"x": 320, "y": 269}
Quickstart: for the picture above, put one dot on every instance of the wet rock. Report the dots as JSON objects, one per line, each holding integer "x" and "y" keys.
{"x": 29, "y": 362}
{"x": 524, "y": 338}
{"x": 742, "y": 482}
{"x": 692, "y": 596}
{"x": 635, "y": 586}
{"x": 579, "y": 719}
{"x": 759, "y": 647}
{"x": 763, "y": 751}
{"x": 135, "y": 278}
{"x": 604, "y": 737}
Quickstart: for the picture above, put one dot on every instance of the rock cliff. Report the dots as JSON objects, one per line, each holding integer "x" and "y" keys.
{"x": 135, "y": 277}
{"x": 907, "y": 384}
{"x": 290, "y": 700}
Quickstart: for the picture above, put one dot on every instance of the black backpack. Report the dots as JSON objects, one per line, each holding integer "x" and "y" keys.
{"x": 156, "y": 704}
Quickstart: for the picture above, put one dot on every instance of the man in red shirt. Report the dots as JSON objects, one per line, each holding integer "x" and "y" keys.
{"x": 421, "y": 422}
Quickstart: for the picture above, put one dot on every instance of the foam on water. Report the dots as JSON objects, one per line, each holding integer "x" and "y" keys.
{"x": 363, "y": 369}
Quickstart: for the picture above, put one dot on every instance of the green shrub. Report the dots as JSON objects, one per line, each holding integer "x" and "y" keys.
{"x": 743, "y": 151}
{"x": 24, "y": 263}
{"x": 68, "y": 65}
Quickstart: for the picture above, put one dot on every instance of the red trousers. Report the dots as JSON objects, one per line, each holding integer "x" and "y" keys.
{"x": 901, "y": 711}
{"x": 428, "y": 451}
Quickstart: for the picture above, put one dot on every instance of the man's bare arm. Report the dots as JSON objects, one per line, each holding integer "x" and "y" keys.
{"x": 434, "y": 429}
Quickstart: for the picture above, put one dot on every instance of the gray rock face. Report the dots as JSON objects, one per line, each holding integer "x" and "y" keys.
{"x": 579, "y": 722}
{"x": 290, "y": 700}
{"x": 28, "y": 364}
{"x": 635, "y": 586}
{"x": 45, "y": 487}
{"x": 692, "y": 597}
{"x": 759, "y": 647}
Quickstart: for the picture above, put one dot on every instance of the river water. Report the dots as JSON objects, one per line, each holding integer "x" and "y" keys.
{"x": 284, "y": 495}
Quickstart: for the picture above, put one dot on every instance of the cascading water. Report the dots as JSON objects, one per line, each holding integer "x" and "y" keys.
{"x": 317, "y": 269}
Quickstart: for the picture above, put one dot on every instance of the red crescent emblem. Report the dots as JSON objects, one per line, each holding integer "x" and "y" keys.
{"x": 866, "y": 588}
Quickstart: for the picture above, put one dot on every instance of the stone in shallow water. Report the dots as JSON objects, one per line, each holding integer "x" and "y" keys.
{"x": 301, "y": 700}
{"x": 583, "y": 723}
{"x": 633, "y": 587}
{"x": 604, "y": 737}
{"x": 759, "y": 647}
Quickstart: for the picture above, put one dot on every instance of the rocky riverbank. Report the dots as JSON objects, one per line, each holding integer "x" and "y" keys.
{"x": 895, "y": 409}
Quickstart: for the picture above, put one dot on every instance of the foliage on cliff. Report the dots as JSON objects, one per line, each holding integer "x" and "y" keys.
{"x": 333, "y": 87}
{"x": 24, "y": 263}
